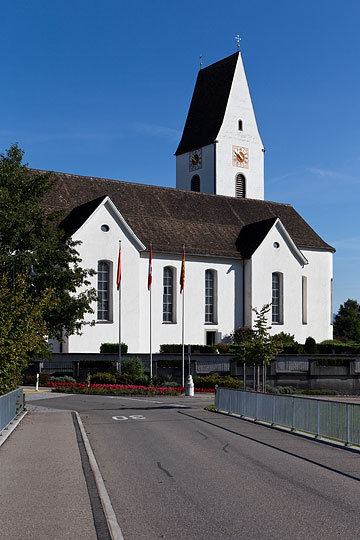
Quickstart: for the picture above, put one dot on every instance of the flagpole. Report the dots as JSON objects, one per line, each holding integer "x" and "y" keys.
{"x": 183, "y": 339}
{"x": 150, "y": 307}
{"x": 182, "y": 291}
{"x": 119, "y": 288}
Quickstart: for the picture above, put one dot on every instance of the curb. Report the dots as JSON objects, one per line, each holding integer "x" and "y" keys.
{"x": 111, "y": 520}
{"x": 7, "y": 431}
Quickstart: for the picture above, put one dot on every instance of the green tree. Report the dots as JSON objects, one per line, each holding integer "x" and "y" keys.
{"x": 347, "y": 321}
{"x": 261, "y": 347}
{"x": 23, "y": 331}
{"x": 30, "y": 238}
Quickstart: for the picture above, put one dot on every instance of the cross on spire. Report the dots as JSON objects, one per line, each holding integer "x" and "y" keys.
{"x": 238, "y": 39}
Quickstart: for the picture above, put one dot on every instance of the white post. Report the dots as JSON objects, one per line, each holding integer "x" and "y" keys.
{"x": 37, "y": 382}
{"x": 119, "y": 288}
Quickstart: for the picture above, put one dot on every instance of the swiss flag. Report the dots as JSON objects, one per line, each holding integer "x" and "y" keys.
{"x": 150, "y": 269}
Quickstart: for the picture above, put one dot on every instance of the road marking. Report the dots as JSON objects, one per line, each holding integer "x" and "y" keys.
{"x": 112, "y": 522}
{"x": 151, "y": 401}
{"x": 133, "y": 417}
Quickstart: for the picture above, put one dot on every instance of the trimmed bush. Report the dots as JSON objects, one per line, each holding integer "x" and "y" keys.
{"x": 310, "y": 346}
{"x": 65, "y": 378}
{"x": 102, "y": 378}
{"x": 209, "y": 381}
{"x": 113, "y": 348}
{"x": 322, "y": 362}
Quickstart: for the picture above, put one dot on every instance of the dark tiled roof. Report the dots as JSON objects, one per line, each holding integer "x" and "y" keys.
{"x": 167, "y": 217}
{"x": 211, "y": 93}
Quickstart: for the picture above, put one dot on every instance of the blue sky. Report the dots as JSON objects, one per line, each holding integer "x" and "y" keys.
{"x": 103, "y": 88}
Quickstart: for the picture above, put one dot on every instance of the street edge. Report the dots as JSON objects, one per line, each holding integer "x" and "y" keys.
{"x": 6, "y": 432}
{"x": 113, "y": 525}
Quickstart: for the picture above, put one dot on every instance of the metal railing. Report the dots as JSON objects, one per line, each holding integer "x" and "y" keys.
{"x": 329, "y": 419}
{"x": 11, "y": 405}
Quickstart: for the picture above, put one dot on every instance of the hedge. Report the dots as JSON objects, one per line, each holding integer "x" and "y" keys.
{"x": 175, "y": 348}
{"x": 113, "y": 348}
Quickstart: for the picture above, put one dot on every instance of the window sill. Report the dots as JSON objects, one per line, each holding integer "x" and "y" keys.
{"x": 104, "y": 322}
{"x": 169, "y": 322}
{"x": 211, "y": 323}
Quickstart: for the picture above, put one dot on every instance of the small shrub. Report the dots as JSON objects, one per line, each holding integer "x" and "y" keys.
{"x": 223, "y": 347}
{"x": 244, "y": 333}
{"x": 281, "y": 389}
{"x": 103, "y": 378}
{"x": 132, "y": 366}
{"x": 44, "y": 378}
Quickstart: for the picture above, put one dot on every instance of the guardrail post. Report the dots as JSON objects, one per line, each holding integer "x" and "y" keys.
{"x": 347, "y": 424}
{"x": 294, "y": 414}
{"x": 318, "y": 420}
{"x": 273, "y": 410}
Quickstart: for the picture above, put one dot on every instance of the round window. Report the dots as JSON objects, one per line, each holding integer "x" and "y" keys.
{"x": 276, "y": 245}
{"x": 105, "y": 228}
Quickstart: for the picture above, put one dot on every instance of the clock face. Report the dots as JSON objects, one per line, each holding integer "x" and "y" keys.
{"x": 195, "y": 160}
{"x": 240, "y": 157}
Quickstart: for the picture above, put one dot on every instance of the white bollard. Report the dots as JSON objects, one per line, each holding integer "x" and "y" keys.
{"x": 37, "y": 382}
{"x": 189, "y": 386}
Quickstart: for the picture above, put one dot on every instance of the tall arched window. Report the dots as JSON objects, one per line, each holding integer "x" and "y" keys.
{"x": 240, "y": 186}
{"x": 104, "y": 291}
{"x": 168, "y": 294}
{"x": 277, "y": 298}
{"x": 195, "y": 183}
{"x": 210, "y": 296}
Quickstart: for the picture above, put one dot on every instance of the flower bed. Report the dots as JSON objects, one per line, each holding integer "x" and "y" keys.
{"x": 117, "y": 389}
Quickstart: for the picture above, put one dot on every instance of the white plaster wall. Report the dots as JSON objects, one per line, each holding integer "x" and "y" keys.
{"x": 240, "y": 107}
{"x": 267, "y": 260}
{"x": 319, "y": 274}
{"x": 98, "y": 245}
{"x": 229, "y": 279}
{"x": 206, "y": 173}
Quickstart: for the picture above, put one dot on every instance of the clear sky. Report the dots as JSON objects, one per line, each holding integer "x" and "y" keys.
{"x": 102, "y": 88}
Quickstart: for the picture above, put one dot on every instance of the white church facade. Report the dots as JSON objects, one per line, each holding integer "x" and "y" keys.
{"x": 241, "y": 251}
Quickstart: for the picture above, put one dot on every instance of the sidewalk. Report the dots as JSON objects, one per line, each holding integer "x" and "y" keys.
{"x": 43, "y": 493}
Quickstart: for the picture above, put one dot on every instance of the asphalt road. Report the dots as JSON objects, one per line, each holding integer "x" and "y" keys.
{"x": 181, "y": 473}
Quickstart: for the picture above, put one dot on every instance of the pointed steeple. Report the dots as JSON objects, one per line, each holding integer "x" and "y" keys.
{"x": 221, "y": 143}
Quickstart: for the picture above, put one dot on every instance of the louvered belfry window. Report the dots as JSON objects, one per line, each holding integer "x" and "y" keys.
{"x": 195, "y": 183}
{"x": 240, "y": 188}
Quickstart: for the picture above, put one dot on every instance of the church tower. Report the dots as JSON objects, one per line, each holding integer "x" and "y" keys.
{"x": 221, "y": 150}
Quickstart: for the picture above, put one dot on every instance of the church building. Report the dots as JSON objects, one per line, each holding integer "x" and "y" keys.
{"x": 241, "y": 251}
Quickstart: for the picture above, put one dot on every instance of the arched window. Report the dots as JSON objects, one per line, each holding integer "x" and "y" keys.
{"x": 240, "y": 186}
{"x": 168, "y": 294}
{"x": 277, "y": 298}
{"x": 195, "y": 183}
{"x": 104, "y": 291}
{"x": 210, "y": 296}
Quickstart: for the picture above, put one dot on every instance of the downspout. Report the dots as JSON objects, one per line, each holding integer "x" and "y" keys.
{"x": 243, "y": 292}
{"x": 215, "y": 167}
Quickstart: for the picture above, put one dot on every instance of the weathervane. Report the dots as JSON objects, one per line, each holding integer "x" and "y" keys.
{"x": 238, "y": 39}
{"x": 201, "y": 63}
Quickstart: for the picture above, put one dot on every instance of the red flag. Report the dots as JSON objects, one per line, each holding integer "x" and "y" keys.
{"x": 118, "y": 277}
{"x": 150, "y": 269}
{"x": 182, "y": 274}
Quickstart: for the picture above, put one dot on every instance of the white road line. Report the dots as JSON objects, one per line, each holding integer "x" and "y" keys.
{"x": 112, "y": 522}
{"x": 150, "y": 401}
